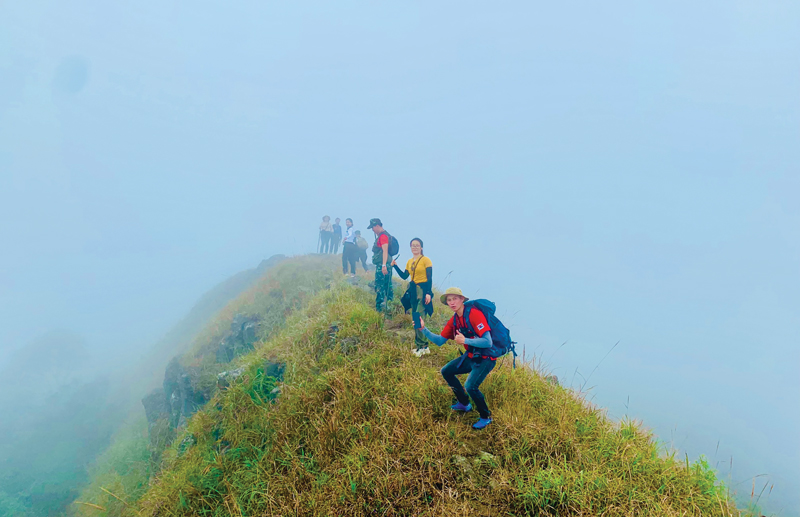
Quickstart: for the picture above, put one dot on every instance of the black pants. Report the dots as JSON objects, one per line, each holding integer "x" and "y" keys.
{"x": 362, "y": 256}
{"x": 335, "y": 241}
{"x": 324, "y": 241}
{"x": 349, "y": 257}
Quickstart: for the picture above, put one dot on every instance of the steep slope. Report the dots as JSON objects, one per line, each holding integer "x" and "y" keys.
{"x": 276, "y": 289}
{"x": 351, "y": 423}
{"x": 149, "y": 372}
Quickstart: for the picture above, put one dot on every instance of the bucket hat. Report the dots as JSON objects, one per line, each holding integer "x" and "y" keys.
{"x": 452, "y": 290}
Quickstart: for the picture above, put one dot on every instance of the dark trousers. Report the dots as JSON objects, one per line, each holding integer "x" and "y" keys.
{"x": 362, "y": 256}
{"x": 335, "y": 241}
{"x": 383, "y": 288}
{"x": 324, "y": 241}
{"x": 477, "y": 369}
{"x": 349, "y": 257}
{"x": 417, "y": 298}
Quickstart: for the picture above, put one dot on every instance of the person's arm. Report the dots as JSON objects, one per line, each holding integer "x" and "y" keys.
{"x": 386, "y": 257}
{"x": 427, "y": 286}
{"x": 403, "y": 274}
{"x": 484, "y": 341}
{"x": 436, "y": 339}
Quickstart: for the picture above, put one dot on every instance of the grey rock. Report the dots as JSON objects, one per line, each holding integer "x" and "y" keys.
{"x": 225, "y": 379}
{"x": 155, "y": 406}
{"x": 188, "y": 442}
{"x": 240, "y": 339}
{"x": 274, "y": 369}
{"x": 462, "y": 463}
{"x": 484, "y": 458}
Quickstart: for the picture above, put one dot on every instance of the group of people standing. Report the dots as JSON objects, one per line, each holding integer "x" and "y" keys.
{"x": 469, "y": 327}
{"x": 354, "y": 246}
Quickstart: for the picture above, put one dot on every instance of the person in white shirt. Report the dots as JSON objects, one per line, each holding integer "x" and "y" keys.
{"x": 350, "y": 250}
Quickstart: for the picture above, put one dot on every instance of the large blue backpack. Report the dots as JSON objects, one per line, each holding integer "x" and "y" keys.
{"x": 501, "y": 339}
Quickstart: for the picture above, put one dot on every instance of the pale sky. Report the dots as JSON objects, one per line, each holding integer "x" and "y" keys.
{"x": 604, "y": 172}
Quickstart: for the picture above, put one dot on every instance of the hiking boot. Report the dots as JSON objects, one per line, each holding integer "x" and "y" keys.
{"x": 481, "y": 423}
{"x": 458, "y": 406}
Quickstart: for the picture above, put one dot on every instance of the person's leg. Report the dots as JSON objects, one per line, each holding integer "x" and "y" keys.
{"x": 379, "y": 294}
{"x": 337, "y": 239}
{"x": 479, "y": 372}
{"x": 389, "y": 286}
{"x": 417, "y": 306}
{"x": 344, "y": 259}
{"x": 326, "y": 238}
{"x": 457, "y": 366}
{"x": 364, "y": 259}
{"x": 352, "y": 258}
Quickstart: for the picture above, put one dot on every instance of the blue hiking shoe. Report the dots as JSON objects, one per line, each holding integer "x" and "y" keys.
{"x": 458, "y": 406}
{"x": 481, "y": 423}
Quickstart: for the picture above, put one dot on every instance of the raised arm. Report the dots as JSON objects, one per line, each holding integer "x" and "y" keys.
{"x": 403, "y": 274}
{"x": 435, "y": 338}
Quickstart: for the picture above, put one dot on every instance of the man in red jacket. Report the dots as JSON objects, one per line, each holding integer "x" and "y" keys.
{"x": 473, "y": 333}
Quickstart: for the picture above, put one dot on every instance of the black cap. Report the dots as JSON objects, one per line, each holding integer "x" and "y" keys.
{"x": 374, "y": 222}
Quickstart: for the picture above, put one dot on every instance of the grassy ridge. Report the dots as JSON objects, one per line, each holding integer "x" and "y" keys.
{"x": 361, "y": 427}
{"x": 121, "y": 475}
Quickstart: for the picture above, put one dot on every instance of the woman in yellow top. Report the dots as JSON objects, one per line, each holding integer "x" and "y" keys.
{"x": 420, "y": 289}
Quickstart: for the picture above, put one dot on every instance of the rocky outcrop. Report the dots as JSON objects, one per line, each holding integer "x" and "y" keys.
{"x": 240, "y": 339}
{"x": 168, "y": 408}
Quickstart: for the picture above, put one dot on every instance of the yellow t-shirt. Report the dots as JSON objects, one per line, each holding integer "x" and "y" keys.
{"x": 417, "y": 272}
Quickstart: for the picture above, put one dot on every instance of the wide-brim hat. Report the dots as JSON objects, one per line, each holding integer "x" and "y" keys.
{"x": 452, "y": 290}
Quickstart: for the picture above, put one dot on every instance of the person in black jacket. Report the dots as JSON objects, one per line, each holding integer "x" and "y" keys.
{"x": 420, "y": 290}
{"x": 337, "y": 236}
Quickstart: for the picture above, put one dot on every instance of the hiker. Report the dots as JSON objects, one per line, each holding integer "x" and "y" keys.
{"x": 419, "y": 294}
{"x": 325, "y": 234}
{"x": 361, "y": 252}
{"x": 349, "y": 249}
{"x": 474, "y": 334}
{"x": 337, "y": 236}
{"x": 382, "y": 258}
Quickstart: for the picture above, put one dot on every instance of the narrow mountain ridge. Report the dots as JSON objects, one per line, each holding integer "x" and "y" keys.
{"x": 329, "y": 413}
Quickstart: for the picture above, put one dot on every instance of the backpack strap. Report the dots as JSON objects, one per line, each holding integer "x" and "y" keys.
{"x": 467, "y": 309}
{"x": 414, "y": 267}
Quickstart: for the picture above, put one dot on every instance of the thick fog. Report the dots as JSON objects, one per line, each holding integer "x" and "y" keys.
{"x": 606, "y": 172}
